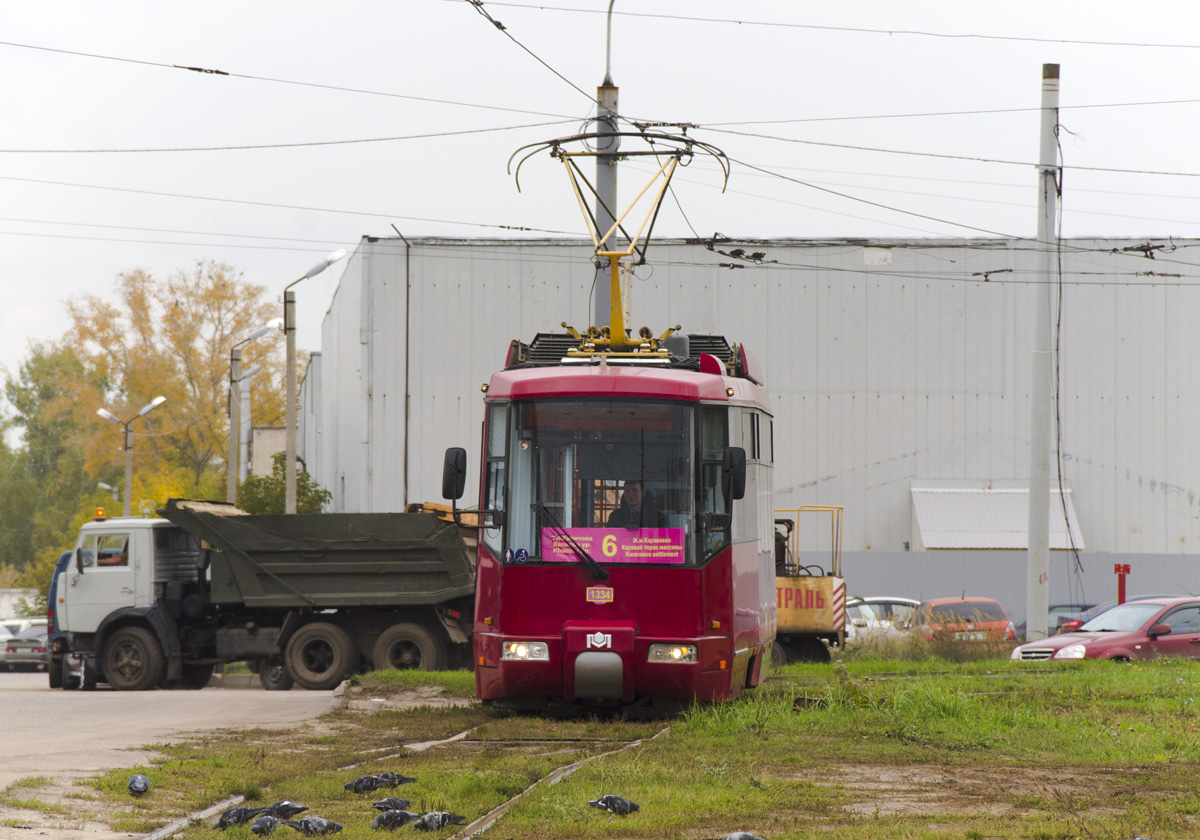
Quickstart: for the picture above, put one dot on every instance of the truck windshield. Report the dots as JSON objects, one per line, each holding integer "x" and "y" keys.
{"x": 617, "y": 476}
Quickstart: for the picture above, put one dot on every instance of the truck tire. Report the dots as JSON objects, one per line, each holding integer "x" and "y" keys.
{"x": 273, "y": 675}
{"x": 196, "y": 677}
{"x": 133, "y": 661}
{"x": 320, "y": 655}
{"x": 409, "y": 647}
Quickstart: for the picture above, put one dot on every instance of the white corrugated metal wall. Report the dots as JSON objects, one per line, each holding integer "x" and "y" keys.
{"x": 889, "y": 362}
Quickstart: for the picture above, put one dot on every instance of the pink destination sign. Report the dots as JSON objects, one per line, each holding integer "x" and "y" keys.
{"x": 617, "y": 545}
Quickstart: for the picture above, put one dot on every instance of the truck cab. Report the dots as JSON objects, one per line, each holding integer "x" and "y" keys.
{"x": 112, "y": 602}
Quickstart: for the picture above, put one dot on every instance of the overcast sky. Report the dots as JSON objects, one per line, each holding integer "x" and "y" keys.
{"x": 438, "y": 98}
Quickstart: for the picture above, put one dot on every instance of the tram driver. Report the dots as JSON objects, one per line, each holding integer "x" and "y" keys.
{"x": 638, "y": 508}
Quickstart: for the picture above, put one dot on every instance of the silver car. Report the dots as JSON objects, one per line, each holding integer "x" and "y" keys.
{"x": 27, "y": 651}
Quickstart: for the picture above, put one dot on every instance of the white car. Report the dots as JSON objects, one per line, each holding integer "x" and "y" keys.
{"x": 878, "y": 618}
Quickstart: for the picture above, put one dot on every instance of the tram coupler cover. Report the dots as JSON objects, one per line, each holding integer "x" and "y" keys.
{"x": 598, "y": 660}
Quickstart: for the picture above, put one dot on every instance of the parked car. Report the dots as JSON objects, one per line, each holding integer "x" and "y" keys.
{"x": 1055, "y": 615}
{"x": 11, "y": 628}
{"x": 1142, "y": 629}
{"x": 878, "y": 617}
{"x": 1073, "y": 621}
{"x": 27, "y": 651}
{"x": 963, "y": 620}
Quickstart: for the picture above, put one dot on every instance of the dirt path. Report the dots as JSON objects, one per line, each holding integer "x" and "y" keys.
{"x": 66, "y": 736}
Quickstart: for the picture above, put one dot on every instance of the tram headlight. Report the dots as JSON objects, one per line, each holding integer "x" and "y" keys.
{"x": 673, "y": 653}
{"x": 526, "y": 652}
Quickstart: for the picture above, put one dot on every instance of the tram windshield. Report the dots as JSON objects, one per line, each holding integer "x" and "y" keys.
{"x": 622, "y": 479}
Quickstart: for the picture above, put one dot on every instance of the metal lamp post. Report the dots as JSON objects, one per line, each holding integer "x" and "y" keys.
{"x": 289, "y": 330}
{"x": 235, "y": 402}
{"x": 112, "y": 418}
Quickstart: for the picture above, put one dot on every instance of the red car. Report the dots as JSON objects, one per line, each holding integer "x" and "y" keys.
{"x": 964, "y": 620}
{"x": 1133, "y": 630}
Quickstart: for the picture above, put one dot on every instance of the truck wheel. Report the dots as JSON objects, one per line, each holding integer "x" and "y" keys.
{"x": 409, "y": 647}
{"x": 274, "y": 676}
{"x": 195, "y": 677}
{"x": 320, "y": 655}
{"x": 132, "y": 660}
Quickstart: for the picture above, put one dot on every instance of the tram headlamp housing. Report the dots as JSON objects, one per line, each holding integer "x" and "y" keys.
{"x": 687, "y": 654}
{"x": 526, "y": 652}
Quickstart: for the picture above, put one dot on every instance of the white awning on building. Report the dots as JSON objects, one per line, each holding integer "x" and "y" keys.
{"x": 986, "y": 516}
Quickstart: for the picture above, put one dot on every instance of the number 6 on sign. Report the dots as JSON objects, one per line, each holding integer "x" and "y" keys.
{"x": 609, "y": 546}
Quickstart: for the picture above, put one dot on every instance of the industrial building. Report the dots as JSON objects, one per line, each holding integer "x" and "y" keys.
{"x": 899, "y": 370}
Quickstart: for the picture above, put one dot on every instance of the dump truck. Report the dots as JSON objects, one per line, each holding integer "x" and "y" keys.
{"x": 304, "y": 599}
{"x": 810, "y": 598}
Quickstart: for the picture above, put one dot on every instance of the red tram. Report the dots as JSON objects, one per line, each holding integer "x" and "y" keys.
{"x": 626, "y": 554}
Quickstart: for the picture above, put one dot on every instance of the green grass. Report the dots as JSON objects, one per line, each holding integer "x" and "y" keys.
{"x": 863, "y": 748}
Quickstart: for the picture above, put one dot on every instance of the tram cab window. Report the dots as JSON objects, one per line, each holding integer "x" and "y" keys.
{"x": 570, "y": 462}
{"x": 714, "y": 516}
{"x": 495, "y": 463}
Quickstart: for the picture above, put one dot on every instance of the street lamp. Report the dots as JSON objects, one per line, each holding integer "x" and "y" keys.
{"x": 109, "y": 488}
{"x": 289, "y": 330}
{"x": 246, "y": 427}
{"x": 112, "y": 418}
{"x": 235, "y": 402}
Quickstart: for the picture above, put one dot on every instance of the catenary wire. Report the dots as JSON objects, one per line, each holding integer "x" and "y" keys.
{"x": 248, "y": 77}
{"x": 307, "y": 144}
{"x": 278, "y": 206}
{"x": 857, "y": 29}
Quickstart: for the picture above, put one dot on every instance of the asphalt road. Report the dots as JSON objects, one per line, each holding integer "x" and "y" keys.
{"x": 74, "y": 734}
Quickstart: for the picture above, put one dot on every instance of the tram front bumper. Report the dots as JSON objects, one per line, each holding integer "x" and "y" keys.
{"x": 601, "y": 663}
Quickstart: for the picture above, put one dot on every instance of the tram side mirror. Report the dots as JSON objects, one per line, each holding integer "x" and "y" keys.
{"x": 454, "y": 473}
{"x": 733, "y": 472}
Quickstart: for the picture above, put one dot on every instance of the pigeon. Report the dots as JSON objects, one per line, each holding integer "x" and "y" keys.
{"x": 391, "y": 803}
{"x": 389, "y": 779}
{"x": 618, "y": 805}
{"x": 314, "y": 826}
{"x": 237, "y": 816}
{"x": 394, "y": 818}
{"x": 363, "y": 784}
{"x": 438, "y": 819}
{"x": 741, "y": 835}
{"x": 138, "y": 784}
{"x": 264, "y": 824}
{"x": 285, "y": 809}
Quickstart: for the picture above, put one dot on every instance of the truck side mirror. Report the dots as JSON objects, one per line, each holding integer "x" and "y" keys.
{"x": 454, "y": 473}
{"x": 79, "y": 560}
{"x": 733, "y": 472}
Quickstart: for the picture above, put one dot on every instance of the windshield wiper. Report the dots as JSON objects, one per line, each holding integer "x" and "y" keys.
{"x": 549, "y": 520}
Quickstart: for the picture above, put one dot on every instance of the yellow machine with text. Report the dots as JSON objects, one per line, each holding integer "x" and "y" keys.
{"x": 810, "y": 598}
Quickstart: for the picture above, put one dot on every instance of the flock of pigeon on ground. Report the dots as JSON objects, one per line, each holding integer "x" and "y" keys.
{"x": 393, "y": 810}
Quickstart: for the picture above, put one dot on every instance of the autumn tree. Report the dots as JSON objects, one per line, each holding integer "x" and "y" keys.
{"x": 173, "y": 337}
{"x": 267, "y": 493}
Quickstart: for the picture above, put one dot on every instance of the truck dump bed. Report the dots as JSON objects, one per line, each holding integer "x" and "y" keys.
{"x": 328, "y": 560}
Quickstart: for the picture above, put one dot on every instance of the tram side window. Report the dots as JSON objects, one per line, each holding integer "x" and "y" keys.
{"x": 496, "y": 464}
{"x": 714, "y": 519}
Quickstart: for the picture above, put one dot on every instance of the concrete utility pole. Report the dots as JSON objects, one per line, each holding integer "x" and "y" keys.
{"x": 1041, "y": 439}
{"x": 606, "y": 177}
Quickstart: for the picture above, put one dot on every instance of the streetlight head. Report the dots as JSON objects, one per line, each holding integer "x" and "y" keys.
{"x": 259, "y": 333}
{"x": 247, "y": 374}
{"x": 109, "y": 416}
{"x": 155, "y": 403}
{"x": 339, "y": 254}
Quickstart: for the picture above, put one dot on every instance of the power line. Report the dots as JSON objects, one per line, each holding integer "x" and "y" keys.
{"x": 278, "y": 206}
{"x": 285, "y": 145}
{"x": 478, "y": 6}
{"x": 981, "y": 112}
{"x": 950, "y": 157}
{"x": 293, "y": 82}
{"x": 856, "y": 29}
